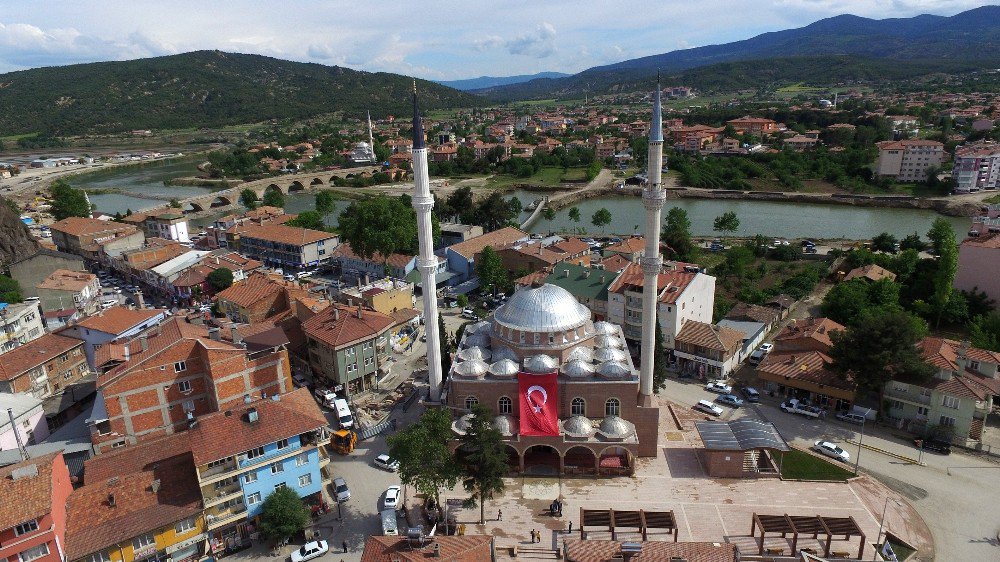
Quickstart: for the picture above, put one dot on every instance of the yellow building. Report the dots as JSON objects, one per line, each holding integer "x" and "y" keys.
{"x": 385, "y": 295}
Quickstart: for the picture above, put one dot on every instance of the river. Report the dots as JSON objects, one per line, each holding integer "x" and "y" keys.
{"x": 146, "y": 180}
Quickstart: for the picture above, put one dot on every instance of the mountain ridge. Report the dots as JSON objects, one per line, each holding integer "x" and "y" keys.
{"x": 481, "y": 82}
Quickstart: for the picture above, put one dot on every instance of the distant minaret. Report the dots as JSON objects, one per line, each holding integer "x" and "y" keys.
{"x": 652, "y": 199}
{"x": 371, "y": 137}
{"x": 423, "y": 202}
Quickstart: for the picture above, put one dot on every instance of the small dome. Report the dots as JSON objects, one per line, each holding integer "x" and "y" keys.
{"x": 606, "y": 328}
{"x": 478, "y": 328}
{"x": 582, "y": 353}
{"x": 541, "y": 364}
{"x": 505, "y": 424}
{"x": 577, "y": 368}
{"x": 608, "y": 341}
{"x": 548, "y": 308}
{"x": 473, "y": 368}
{"x": 613, "y": 426}
{"x": 609, "y": 354}
{"x": 504, "y": 368}
{"x": 501, "y": 352}
{"x": 477, "y": 340}
{"x": 463, "y": 423}
{"x": 614, "y": 369}
{"x": 471, "y": 353}
{"x": 578, "y": 426}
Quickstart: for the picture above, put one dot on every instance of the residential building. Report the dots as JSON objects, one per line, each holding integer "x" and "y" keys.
{"x": 43, "y": 366}
{"x": 162, "y": 277}
{"x": 908, "y": 160}
{"x": 385, "y": 295}
{"x": 32, "y": 270}
{"x": 397, "y": 266}
{"x": 800, "y": 143}
{"x": 462, "y": 256}
{"x": 259, "y": 297}
{"x": 134, "y": 263}
{"x": 588, "y": 285}
{"x": 806, "y": 375}
{"x": 453, "y": 233}
{"x": 33, "y": 510}
{"x": 175, "y": 373}
{"x": 808, "y": 334}
{"x": 28, "y": 425}
{"x": 753, "y": 334}
{"x": 870, "y": 272}
{"x": 977, "y": 167}
{"x": 754, "y": 313}
{"x": 979, "y": 265}
{"x": 684, "y": 294}
{"x": 284, "y": 246}
{"x": 112, "y": 324}
{"x": 65, "y": 290}
{"x": 171, "y": 225}
{"x": 348, "y": 347}
{"x": 707, "y": 351}
{"x": 956, "y": 401}
{"x": 21, "y": 322}
{"x": 90, "y": 238}
{"x": 631, "y": 248}
{"x": 756, "y": 126}
{"x": 154, "y": 513}
{"x": 454, "y": 548}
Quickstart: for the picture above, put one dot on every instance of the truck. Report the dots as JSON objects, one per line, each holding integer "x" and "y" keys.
{"x": 344, "y": 441}
{"x": 795, "y": 406}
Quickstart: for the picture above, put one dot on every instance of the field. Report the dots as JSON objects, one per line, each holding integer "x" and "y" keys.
{"x": 800, "y": 465}
{"x": 550, "y": 177}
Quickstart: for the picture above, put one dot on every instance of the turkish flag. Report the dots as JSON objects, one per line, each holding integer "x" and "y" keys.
{"x": 539, "y": 403}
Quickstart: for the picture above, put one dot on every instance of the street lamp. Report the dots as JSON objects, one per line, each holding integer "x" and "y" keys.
{"x": 857, "y": 461}
{"x": 881, "y": 524}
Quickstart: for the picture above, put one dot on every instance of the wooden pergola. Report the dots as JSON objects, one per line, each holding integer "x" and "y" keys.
{"x": 806, "y": 525}
{"x": 641, "y": 520}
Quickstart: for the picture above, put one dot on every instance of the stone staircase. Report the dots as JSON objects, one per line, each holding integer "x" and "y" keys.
{"x": 536, "y": 552}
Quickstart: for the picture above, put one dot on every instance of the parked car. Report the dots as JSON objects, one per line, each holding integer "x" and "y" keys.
{"x": 326, "y": 397}
{"x": 309, "y": 551}
{"x": 751, "y": 394}
{"x": 392, "y": 497}
{"x": 808, "y": 243}
{"x": 730, "y": 400}
{"x": 766, "y": 347}
{"x": 831, "y": 450}
{"x": 708, "y": 408}
{"x": 469, "y": 313}
{"x": 719, "y": 386}
{"x": 939, "y": 446}
{"x": 385, "y": 462}
{"x": 851, "y": 418}
{"x": 811, "y": 250}
{"x": 205, "y": 308}
{"x": 341, "y": 492}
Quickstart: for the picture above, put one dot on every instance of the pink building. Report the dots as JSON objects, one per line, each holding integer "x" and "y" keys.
{"x": 979, "y": 265}
{"x": 29, "y": 421}
{"x": 33, "y": 528}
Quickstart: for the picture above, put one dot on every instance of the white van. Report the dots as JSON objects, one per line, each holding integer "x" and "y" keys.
{"x": 389, "y": 522}
{"x": 343, "y": 413}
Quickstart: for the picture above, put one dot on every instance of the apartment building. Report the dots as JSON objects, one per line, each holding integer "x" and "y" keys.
{"x": 32, "y": 270}
{"x": 757, "y": 126}
{"x": 979, "y": 265}
{"x": 33, "y": 509}
{"x": 90, "y": 238}
{"x": 806, "y": 375}
{"x": 977, "y": 167}
{"x": 28, "y": 425}
{"x": 66, "y": 290}
{"x": 908, "y": 160}
{"x": 283, "y": 246}
{"x": 21, "y": 323}
{"x": 348, "y": 347}
{"x": 169, "y": 225}
{"x": 384, "y": 295}
{"x": 110, "y": 325}
{"x": 706, "y": 351}
{"x": 44, "y": 366}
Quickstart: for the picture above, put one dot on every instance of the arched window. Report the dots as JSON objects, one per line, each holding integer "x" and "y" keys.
{"x": 578, "y": 407}
{"x": 611, "y": 408}
{"x": 505, "y": 405}
{"x": 471, "y": 402}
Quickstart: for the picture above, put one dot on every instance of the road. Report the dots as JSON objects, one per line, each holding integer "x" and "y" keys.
{"x": 956, "y": 495}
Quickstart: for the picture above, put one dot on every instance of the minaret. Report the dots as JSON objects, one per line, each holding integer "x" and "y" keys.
{"x": 652, "y": 199}
{"x": 423, "y": 202}
{"x": 371, "y": 137}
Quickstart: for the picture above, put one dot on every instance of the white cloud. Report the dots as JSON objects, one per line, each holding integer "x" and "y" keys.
{"x": 538, "y": 43}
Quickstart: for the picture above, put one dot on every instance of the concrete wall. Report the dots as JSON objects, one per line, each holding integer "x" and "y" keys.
{"x": 979, "y": 268}
{"x": 34, "y": 270}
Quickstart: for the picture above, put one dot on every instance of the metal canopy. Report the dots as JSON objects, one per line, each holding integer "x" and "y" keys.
{"x": 740, "y": 435}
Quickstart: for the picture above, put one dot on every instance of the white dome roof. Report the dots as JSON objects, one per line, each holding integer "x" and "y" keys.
{"x": 606, "y": 328}
{"x": 577, "y": 368}
{"x": 582, "y": 353}
{"x": 578, "y": 426}
{"x": 504, "y": 368}
{"x": 613, "y": 369}
{"x": 614, "y": 426}
{"x": 542, "y": 309}
{"x": 471, "y": 353}
{"x": 505, "y": 424}
{"x": 608, "y": 341}
{"x": 609, "y": 354}
{"x": 477, "y": 340}
{"x": 483, "y": 326}
{"x": 462, "y": 424}
{"x": 541, "y": 364}
{"x": 501, "y": 352}
{"x": 473, "y": 368}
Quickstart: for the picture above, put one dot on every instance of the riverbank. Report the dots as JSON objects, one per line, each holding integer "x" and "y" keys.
{"x": 194, "y": 181}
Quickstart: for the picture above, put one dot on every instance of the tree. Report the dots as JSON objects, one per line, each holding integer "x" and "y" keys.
{"x": 325, "y": 202}
{"x": 274, "y": 198}
{"x": 308, "y": 219}
{"x": 912, "y": 242}
{"x": 445, "y": 346}
{"x": 283, "y": 515}
{"x": 659, "y": 360}
{"x": 175, "y": 203}
{"x": 726, "y": 222}
{"x": 884, "y": 242}
{"x": 426, "y": 462}
{"x": 493, "y": 212}
{"x": 574, "y": 214}
{"x": 881, "y": 347}
{"x": 67, "y": 201}
{"x": 221, "y": 279}
{"x": 848, "y": 301}
{"x": 984, "y": 331}
{"x": 463, "y": 300}
{"x": 12, "y": 205}
{"x": 381, "y": 224}
{"x": 249, "y": 199}
{"x": 601, "y": 218}
{"x": 484, "y": 458}
{"x": 460, "y": 203}
{"x": 677, "y": 234}
{"x": 10, "y": 290}
{"x": 492, "y": 274}
{"x": 943, "y": 243}
{"x": 548, "y": 213}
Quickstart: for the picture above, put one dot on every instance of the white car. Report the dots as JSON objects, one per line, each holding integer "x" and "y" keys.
{"x": 385, "y": 462}
{"x": 393, "y": 495}
{"x": 326, "y": 396}
{"x": 831, "y": 450}
{"x": 766, "y": 347}
{"x": 310, "y": 550}
{"x": 719, "y": 386}
{"x": 341, "y": 492}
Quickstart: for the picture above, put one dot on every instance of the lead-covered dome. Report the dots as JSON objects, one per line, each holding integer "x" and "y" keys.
{"x": 504, "y": 368}
{"x": 542, "y": 309}
{"x": 500, "y": 353}
{"x": 505, "y": 424}
{"x": 541, "y": 364}
{"x": 473, "y": 353}
{"x": 577, "y": 368}
{"x": 609, "y": 354}
{"x": 473, "y": 368}
{"x": 605, "y": 328}
{"x": 608, "y": 341}
{"x": 616, "y": 427}
{"x": 578, "y": 426}
{"x": 581, "y": 352}
{"x": 614, "y": 369}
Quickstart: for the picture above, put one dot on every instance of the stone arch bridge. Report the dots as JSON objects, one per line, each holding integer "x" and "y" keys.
{"x": 286, "y": 184}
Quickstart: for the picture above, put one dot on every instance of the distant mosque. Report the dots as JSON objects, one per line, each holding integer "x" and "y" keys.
{"x": 364, "y": 152}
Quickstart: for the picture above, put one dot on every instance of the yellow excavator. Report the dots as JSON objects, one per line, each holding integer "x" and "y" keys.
{"x": 344, "y": 441}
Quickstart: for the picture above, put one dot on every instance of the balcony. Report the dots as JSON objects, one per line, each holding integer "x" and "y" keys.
{"x": 214, "y": 471}
{"x": 919, "y": 400}
{"x": 220, "y": 517}
{"x": 215, "y": 496}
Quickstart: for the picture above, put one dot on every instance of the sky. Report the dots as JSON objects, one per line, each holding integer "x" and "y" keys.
{"x": 430, "y": 39}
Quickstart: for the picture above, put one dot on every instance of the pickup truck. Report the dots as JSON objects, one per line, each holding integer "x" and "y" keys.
{"x": 794, "y": 406}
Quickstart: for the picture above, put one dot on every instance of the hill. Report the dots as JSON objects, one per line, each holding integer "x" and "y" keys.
{"x": 493, "y": 81}
{"x": 970, "y": 36}
{"x": 200, "y": 89}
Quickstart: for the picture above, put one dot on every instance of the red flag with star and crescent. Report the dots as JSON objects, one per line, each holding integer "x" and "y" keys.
{"x": 539, "y": 403}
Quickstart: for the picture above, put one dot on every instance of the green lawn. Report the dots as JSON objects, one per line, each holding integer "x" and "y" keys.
{"x": 551, "y": 177}
{"x": 995, "y": 199}
{"x": 801, "y": 465}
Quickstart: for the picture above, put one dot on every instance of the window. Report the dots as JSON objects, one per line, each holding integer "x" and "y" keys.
{"x": 253, "y": 498}
{"x": 144, "y": 540}
{"x": 352, "y": 367}
{"x": 552, "y": 338}
{"x": 470, "y": 402}
{"x": 184, "y": 526}
{"x": 254, "y": 453}
{"x": 277, "y": 468}
{"x": 305, "y": 480}
{"x": 369, "y": 361}
{"x": 218, "y": 463}
{"x": 578, "y": 407}
{"x": 282, "y": 444}
{"x": 947, "y": 421}
{"x": 537, "y": 338}
{"x": 505, "y": 405}
{"x": 921, "y": 411}
{"x": 896, "y": 404}
{"x": 302, "y": 459}
{"x": 99, "y": 557}
{"x": 188, "y": 405}
{"x": 974, "y": 365}
{"x": 26, "y": 527}
{"x": 950, "y": 402}
{"x": 279, "y": 486}
{"x": 34, "y": 552}
{"x": 250, "y": 478}
{"x": 180, "y": 366}
{"x": 612, "y": 407}
{"x": 184, "y": 386}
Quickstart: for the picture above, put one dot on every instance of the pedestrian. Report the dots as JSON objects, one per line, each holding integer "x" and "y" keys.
{"x": 499, "y": 515}
{"x": 570, "y": 525}
{"x": 344, "y": 544}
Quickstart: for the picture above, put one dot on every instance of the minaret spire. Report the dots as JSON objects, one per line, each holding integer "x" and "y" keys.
{"x": 371, "y": 136}
{"x": 653, "y": 198}
{"x": 427, "y": 263}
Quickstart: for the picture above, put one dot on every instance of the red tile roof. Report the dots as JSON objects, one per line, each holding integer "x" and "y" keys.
{"x": 65, "y": 280}
{"x": 117, "y": 319}
{"x": 617, "y": 262}
{"x": 455, "y": 548}
{"x": 79, "y": 226}
{"x": 28, "y": 497}
{"x": 670, "y": 284}
{"x": 395, "y": 260}
{"x": 818, "y": 329}
{"x": 469, "y": 248}
{"x": 709, "y": 336}
{"x": 591, "y": 550}
{"x": 871, "y": 271}
{"x": 143, "y": 456}
{"x": 339, "y": 325}
{"x": 571, "y": 246}
{"x": 808, "y": 366}
{"x": 629, "y": 246}
{"x": 34, "y": 353}
{"x": 283, "y": 234}
{"x": 252, "y": 290}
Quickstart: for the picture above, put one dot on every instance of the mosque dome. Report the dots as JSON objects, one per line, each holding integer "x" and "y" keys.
{"x": 608, "y": 341}
{"x": 614, "y": 369}
{"x": 581, "y": 352}
{"x": 476, "y": 340}
{"x": 609, "y": 354}
{"x": 501, "y": 352}
{"x": 472, "y": 353}
{"x": 606, "y": 328}
{"x": 542, "y": 309}
{"x": 577, "y": 368}
{"x": 462, "y": 424}
{"x": 504, "y": 368}
{"x": 578, "y": 426}
{"x": 473, "y": 368}
{"x": 505, "y": 424}
{"x": 616, "y": 427}
{"x": 541, "y": 364}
